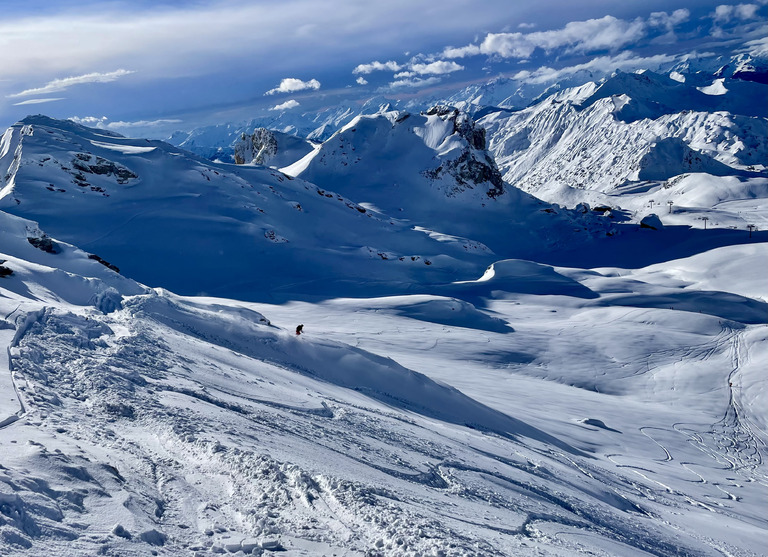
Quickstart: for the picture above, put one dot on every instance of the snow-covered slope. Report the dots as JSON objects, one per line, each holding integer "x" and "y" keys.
{"x": 650, "y": 95}
{"x": 170, "y": 219}
{"x": 162, "y": 425}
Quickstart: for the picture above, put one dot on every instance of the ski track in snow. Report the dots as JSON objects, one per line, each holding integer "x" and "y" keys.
{"x": 161, "y": 474}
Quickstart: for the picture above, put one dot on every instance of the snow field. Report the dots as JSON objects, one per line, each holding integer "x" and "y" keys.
{"x": 213, "y": 430}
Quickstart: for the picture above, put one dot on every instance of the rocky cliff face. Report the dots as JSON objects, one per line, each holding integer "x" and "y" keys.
{"x": 256, "y": 148}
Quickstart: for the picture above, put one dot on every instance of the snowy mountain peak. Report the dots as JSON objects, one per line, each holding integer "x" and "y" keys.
{"x": 440, "y": 151}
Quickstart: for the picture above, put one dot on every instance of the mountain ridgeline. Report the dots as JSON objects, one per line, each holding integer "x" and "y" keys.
{"x": 169, "y": 218}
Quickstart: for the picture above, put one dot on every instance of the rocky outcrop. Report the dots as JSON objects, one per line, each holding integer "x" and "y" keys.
{"x": 469, "y": 171}
{"x": 44, "y": 243}
{"x": 463, "y": 124}
{"x": 474, "y": 166}
{"x": 107, "y": 264}
{"x": 256, "y": 148}
{"x": 85, "y": 163}
{"x": 4, "y": 271}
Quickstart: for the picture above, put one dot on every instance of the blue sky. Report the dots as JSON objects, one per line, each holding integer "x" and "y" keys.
{"x": 140, "y": 66}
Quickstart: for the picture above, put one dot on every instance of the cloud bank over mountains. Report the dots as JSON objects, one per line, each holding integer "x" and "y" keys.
{"x": 192, "y": 61}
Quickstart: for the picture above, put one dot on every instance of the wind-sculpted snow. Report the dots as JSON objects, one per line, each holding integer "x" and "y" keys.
{"x": 379, "y": 378}
{"x": 517, "y": 276}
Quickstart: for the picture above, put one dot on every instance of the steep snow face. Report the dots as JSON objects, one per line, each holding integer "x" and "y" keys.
{"x": 556, "y": 145}
{"x": 49, "y": 270}
{"x": 170, "y": 219}
{"x": 433, "y": 169}
{"x": 432, "y": 154}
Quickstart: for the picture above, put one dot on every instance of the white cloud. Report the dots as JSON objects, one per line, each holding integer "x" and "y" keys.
{"x": 440, "y": 67}
{"x": 526, "y": 26}
{"x": 104, "y": 123}
{"x": 414, "y": 82}
{"x": 669, "y": 21}
{"x": 606, "y": 33}
{"x": 91, "y": 121}
{"x": 38, "y": 101}
{"x": 726, "y": 13}
{"x": 193, "y": 39}
{"x": 391, "y": 66}
{"x": 287, "y": 105}
{"x": 361, "y": 81}
{"x": 399, "y": 75}
{"x": 61, "y": 84}
{"x": 461, "y": 52}
{"x": 291, "y": 85}
{"x": 507, "y": 45}
{"x": 593, "y": 35}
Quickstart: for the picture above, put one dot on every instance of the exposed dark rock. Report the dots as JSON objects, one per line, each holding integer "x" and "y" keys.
{"x": 469, "y": 172}
{"x": 4, "y": 271}
{"x": 103, "y": 262}
{"x": 45, "y": 244}
{"x": 256, "y": 148}
{"x": 91, "y": 164}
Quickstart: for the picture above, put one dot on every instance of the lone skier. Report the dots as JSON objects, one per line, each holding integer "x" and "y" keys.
{"x": 299, "y": 329}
